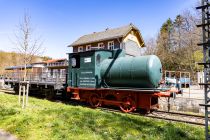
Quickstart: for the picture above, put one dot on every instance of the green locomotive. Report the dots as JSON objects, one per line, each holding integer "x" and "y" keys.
{"x": 104, "y": 77}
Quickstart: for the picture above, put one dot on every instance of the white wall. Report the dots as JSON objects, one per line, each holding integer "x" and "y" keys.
{"x": 200, "y": 77}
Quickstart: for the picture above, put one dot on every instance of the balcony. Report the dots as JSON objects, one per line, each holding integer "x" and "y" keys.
{"x": 57, "y": 64}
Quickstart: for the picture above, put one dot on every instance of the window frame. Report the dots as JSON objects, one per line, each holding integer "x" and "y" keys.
{"x": 100, "y": 44}
{"x": 87, "y": 48}
{"x": 109, "y": 46}
{"x": 80, "y": 49}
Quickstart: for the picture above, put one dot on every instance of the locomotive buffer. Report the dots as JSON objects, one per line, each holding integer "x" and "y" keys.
{"x": 205, "y": 25}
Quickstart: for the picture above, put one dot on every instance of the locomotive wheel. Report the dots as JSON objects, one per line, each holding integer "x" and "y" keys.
{"x": 49, "y": 94}
{"x": 93, "y": 100}
{"x": 128, "y": 105}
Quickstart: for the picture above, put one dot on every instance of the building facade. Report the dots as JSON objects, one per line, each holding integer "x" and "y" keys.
{"x": 127, "y": 37}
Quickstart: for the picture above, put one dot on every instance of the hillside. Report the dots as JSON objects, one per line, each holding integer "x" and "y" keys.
{"x": 44, "y": 120}
{"x": 12, "y": 59}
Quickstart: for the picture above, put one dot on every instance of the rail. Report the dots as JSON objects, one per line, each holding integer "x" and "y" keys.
{"x": 168, "y": 116}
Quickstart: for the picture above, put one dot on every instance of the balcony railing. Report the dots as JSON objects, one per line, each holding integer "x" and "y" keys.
{"x": 57, "y": 64}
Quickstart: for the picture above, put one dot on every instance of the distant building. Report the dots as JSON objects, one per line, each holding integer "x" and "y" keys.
{"x": 127, "y": 37}
{"x": 57, "y": 67}
{"x": 47, "y": 70}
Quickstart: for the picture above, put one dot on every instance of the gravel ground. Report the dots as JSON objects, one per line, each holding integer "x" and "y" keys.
{"x": 6, "y": 136}
{"x": 193, "y": 92}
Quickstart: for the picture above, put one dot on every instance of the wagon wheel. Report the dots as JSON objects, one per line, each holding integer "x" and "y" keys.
{"x": 94, "y": 100}
{"x": 128, "y": 105}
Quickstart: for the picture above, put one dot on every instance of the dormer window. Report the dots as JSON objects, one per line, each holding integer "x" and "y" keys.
{"x": 80, "y": 49}
{"x": 88, "y": 47}
{"x": 111, "y": 45}
{"x": 100, "y": 45}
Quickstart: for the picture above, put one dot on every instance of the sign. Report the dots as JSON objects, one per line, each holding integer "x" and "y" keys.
{"x": 87, "y": 60}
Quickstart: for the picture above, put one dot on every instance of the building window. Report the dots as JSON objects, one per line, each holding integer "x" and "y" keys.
{"x": 100, "y": 45}
{"x": 111, "y": 45}
{"x": 80, "y": 49}
{"x": 88, "y": 47}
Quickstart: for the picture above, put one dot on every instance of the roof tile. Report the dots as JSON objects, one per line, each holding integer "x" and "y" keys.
{"x": 104, "y": 35}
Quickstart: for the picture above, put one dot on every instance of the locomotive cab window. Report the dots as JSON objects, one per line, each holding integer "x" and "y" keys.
{"x": 75, "y": 62}
{"x": 98, "y": 59}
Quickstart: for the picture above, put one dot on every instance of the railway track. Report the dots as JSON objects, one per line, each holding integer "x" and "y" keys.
{"x": 178, "y": 117}
{"x": 168, "y": 116}
{"x": 158, "y": 114}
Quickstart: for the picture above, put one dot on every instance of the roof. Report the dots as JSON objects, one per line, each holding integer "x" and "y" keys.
{"x": 55, "y": 60}
{"x": 43, "y": 62}
{"x": 106, "y": 35}
{"x": 34, "y": 65}
{"x": 18, "y": 67}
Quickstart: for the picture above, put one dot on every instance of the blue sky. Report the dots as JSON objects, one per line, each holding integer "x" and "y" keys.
{"x": 60, "y": 22}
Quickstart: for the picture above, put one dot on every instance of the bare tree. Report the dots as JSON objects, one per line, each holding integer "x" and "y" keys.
{"x": 28, "y": 47}
{"x": 26, "y": 44}
{"x": 150, "y": 48}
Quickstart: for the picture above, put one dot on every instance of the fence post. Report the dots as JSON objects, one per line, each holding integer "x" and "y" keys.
{"x": 20, "y": 90}
{"x": 27, "y": 90}
{"x": 24, "y": 92}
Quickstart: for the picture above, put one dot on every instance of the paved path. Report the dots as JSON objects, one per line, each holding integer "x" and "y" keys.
{"x": 6, "y": 136}
{"x": 194, "y": 92}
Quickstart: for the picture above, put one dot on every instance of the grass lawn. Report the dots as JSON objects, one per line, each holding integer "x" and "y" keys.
{"x": 44, "y": 120}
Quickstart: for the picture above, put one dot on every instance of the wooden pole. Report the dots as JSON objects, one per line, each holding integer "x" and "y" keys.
{"x": 20, "y": 90}
{"x": 24, "y": 92}
{"x": 27, "y": 90}
{"x": 189, "y": 83}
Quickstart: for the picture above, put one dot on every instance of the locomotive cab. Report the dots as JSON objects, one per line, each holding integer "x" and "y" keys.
{"x": 84, "y": 68}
